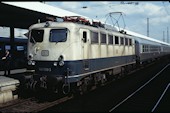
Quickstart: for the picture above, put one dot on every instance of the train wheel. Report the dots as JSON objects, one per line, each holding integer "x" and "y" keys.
{"x": 83, "y": 88}
{"x": 103, "y": 79}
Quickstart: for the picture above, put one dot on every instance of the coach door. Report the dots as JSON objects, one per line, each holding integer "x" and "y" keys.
{"x": 137, "y": 48}
{"x": 137, "y": 51}
{"x": 85, "y": 37}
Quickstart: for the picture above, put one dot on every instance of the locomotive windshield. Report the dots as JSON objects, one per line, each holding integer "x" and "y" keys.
{"x": 36, "y": 35}
{"x": 58, "y": 35}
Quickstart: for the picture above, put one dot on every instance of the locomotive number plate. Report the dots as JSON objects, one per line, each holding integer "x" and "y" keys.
{"x": 44, "y": 69}
{"x": 45, "y": 53}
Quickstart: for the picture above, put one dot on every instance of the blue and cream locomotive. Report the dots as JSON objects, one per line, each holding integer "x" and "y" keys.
{"x": 75, "y": 55}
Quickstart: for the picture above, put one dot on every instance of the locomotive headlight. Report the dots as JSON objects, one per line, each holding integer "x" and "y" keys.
{"x": 55, "y": 64}
{"x": 30, "y": 56}
{"x": 29, "y": 62}
{"x": 61, "y": 63}
{"x": 33, "y": 62}
{"x": 61, "y": 60}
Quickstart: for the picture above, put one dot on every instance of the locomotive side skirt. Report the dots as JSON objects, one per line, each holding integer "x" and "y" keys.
{"x": 78, "y": 69}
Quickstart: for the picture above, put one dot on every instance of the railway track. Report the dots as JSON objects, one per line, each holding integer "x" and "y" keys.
{"x": 32, "y": 105}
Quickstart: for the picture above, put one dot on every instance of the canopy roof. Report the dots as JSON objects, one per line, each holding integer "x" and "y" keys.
{"x": 24, "y": 14}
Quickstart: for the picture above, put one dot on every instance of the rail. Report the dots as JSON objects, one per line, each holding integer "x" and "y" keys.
{"x": 32, "y": 105}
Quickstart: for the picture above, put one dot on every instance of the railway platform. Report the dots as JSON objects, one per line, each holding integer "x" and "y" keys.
{"x": 8, "y": 87}
{"x": 15, "y": 71}
{"x": 9, "y": 84}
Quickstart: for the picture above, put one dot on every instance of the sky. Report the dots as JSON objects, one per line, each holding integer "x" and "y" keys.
{"x": 134, "y": 15}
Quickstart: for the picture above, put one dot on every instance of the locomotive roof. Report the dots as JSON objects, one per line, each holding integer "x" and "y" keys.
{"x": 53, "y": 24}
{"x": 131, "y": 33}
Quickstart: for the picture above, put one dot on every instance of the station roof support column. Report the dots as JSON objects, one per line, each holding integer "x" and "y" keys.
{"x": 12, "y": 42}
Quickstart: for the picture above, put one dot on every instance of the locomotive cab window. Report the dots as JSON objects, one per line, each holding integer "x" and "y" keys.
{"x": 58, "y": 35}
{"x": 36, "y": 35}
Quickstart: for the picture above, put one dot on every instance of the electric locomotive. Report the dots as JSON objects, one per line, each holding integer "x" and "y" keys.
{"x": 72, "y": 55}
{"x": 75, "y": 54}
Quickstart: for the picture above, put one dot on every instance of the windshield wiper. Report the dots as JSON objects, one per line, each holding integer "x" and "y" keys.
{"x": 61, "y": 40}
{"x": 33, "y": 40}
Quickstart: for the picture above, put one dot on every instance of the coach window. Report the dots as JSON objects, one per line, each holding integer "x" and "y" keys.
{"x": 143, "y": 48}
{"x": 121, "y": 40}
{"x": 116, "y": 40}
{"x": 150, "y": 48}
{"x": 126, "y": 41}
{"x": 7, "y": 47}
{"x": 103, "y": 38}
{"x": 36, "y": 35}
{"x": 94, "y": 38}
{"x": 110, "y": 39}
{"x": 146, "y": 48}
{"x": 20, "y": 48}
{"x": 58, "y": 35}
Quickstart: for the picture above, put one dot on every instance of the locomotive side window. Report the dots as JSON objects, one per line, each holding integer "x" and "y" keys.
{"x": 103, "y": 38}
{"x": 58, "y": 35}
{"x": 121, "y": 40}
{"x": 110, "y": 39}
{"x": 116, "y": 40}
{"x": 94, "y": 38}
{"x": 126, "y": 41}
{"x": 130, "y": 42}
{"x": 36, "y": 35}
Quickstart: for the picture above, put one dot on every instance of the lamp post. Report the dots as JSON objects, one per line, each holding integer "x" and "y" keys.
{"x": 167, "y": 35}
{"x": 163, "y": 36}
{"x": 148, "y": 27}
